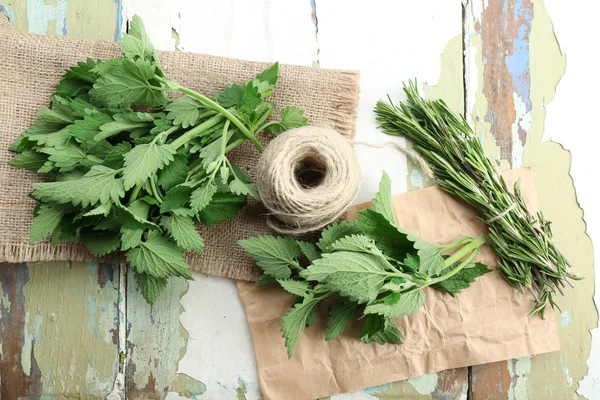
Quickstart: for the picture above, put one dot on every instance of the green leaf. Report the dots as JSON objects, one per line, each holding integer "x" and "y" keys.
{"x": 274, "y": 254}
{"x": 184, "y": 111}
{"x": 298, "y": 288}
{"x": 239, "y": 187}
{"x": 398, "y": 305}
{"x": 176, "y": 197}
{"x": 102, "y": 209}
{"x": 358, "y": 276}
{"x": 29, "y": 159}
{"x": 336, "y": 231}
{"x": 116, "y": 158}
{"x": 150, "y": 286}
{"x": 183, "y": 230}
{"x": 463, "y": 279}
{"x": 388, "y": 237}
{"x": 66, "y": 157}
{"x": 101, "y": 243}
{"x": 382, "y": 203}
{"x": 309, "y": 250}
{"x": 86, "y": 129}
{"x": 134, "y": 215}
{"x": 357, "y": 243}
{"x": 380, "y": 330}
{"x": 431, "y": 262}
{"x": 174, "y": 173}
{"x": 223, "y": 206}
{"x": 159, "y": 257}
{"x": 294, "y": 322}
{"x": 115, "y": 127}
{"x": 131, "y": 238}
{"x": 104, "y": 67}
{"x": 290, "y": 118}
{"x": 340, "y": 316}
{"x": 46, "y": 220}
{"x": 136, "y": 43}
{"x": 266, "y": 81}
{"x": 412, "y": 262}
{"x": 202, "y": 196}
{"x": 246, "y": 96}
{"x": 127, "y": 84}
{"x": 56, "y": 139}
{"x": 66, "y": 231}
{"x": 145, "y": 160}
{"x": 98, "y": 185}
{"x": 265, "y": 280}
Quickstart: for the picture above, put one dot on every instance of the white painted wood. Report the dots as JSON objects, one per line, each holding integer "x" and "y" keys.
{"x": 219, "y": 351}
{"x": 390, "y": 42}
{"x": 570, "y": 121}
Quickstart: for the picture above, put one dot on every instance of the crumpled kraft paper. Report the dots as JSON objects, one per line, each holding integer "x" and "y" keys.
{"x": 486, "y": 323}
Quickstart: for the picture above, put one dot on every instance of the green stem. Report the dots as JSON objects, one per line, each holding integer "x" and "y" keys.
{"x": 465, "y": 250}
{"x": 234, "y": 144}
{"x": 262, "y": 128}
{"x": 135, "y": 192}
{"x": 456, "y": 244}
{"x": 192, "y": 133}
{"x": 163, "y": 135}
{"x": 214, "y": 106}
{"x": 455, "y": 270}
{"x": 224, "y": 138}
{"x": 155, "y": 189}
{"x": 262, "y": 119}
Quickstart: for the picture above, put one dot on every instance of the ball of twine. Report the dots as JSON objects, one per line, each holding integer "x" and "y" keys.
{"x": 307, "y": 178}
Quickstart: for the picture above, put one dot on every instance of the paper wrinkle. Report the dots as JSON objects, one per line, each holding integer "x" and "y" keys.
{"x": 484, "y": 324}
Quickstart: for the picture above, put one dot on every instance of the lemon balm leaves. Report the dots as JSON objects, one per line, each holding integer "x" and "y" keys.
{"x": 130, "y": 82}
{"x": 145, "y": 160}
{"x": 98, "y": 185}
{"x": 159, "y": 257}
{"x": 139, "y": 170}
{"x": 370, "y": 267}
{"x": 47, "y": 218}
{"x": 183, "y": 231}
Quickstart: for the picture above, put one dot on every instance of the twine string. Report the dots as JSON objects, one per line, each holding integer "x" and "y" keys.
{"x": 309, "y": 176}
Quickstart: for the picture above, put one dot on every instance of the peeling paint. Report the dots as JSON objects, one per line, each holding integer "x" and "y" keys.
{"x": 88, "y": 360}
{"x": 565, "y": 318}
{"x": 186, "y": 386}
{"x": 40, "y": 15}
{"x": 156, "y": 341}
{"x": 424, "y": 384}
{"x": 518, "y": 369}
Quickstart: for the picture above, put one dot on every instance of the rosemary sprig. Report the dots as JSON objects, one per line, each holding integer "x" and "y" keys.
{"x": 528, "y": 257}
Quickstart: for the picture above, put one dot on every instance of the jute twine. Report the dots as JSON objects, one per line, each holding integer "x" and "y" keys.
{"x": 308, "y": 177}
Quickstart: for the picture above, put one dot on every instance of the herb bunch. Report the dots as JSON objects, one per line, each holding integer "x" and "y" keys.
{"x": 129, "y": 169}
{"x": 369, "y": 267}
{"x": 528, "y": 257}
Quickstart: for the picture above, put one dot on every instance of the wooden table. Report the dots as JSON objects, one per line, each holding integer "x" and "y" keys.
{"x": 500, "y": 62}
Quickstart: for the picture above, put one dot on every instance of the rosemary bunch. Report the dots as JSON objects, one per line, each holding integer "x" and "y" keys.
{"x": 528, "y": 257}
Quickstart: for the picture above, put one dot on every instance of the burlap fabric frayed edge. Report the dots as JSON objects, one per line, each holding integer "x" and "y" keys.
{"x": 339, "y": 96}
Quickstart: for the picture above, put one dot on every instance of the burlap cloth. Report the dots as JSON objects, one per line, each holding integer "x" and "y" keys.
{"x": 32, "y": 65}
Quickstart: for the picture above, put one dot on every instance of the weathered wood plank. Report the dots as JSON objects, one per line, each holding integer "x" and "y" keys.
{"x": 58, "y": 330}
{"x": 514, "y": 64}
{"x": 156, "y": 341}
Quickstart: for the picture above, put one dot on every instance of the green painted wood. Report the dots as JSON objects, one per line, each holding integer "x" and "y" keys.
{"x": 58, "y": 330}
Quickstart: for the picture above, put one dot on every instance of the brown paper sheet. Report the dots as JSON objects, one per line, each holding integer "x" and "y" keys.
{"x": 31, "y": 67}
{"x": 486, "y": 323}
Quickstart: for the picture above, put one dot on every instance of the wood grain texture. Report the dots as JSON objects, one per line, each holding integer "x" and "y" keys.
{"x": 58, "y": 326}
{"x": 514, "y": 69}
